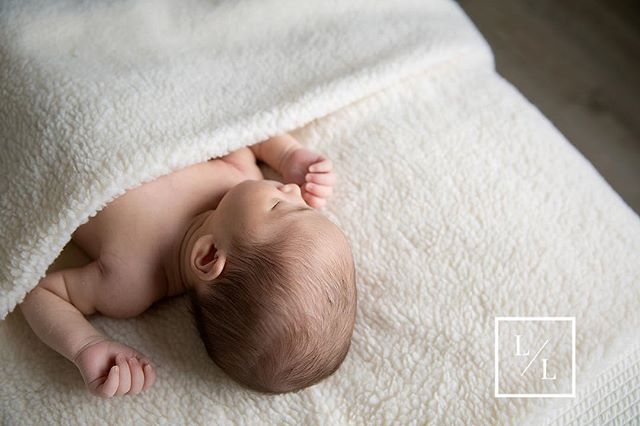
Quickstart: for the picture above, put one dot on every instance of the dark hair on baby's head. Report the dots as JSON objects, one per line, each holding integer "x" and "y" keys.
{"x": 280, "y": 316}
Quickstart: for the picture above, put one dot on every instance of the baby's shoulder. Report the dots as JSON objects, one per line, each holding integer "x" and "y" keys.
{"x": 127, "y": 288}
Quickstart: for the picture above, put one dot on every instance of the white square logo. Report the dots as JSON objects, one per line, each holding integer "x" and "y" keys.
{"x": 535, "y": 357}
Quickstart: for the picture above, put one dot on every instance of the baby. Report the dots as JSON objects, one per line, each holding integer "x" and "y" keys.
{"x": 270, "y": 279}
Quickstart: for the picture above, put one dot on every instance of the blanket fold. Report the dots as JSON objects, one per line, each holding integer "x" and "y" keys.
{"x": 96, "y": 98}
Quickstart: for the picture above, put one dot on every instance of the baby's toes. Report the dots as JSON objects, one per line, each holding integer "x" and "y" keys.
{"x": 320, "y": 191}
{"x": 137, "y": 377}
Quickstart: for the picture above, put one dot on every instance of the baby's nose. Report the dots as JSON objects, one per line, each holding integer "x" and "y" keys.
{"x": 290, "y": 187}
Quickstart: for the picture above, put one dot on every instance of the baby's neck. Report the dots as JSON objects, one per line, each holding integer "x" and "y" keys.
{"x": 172, "y": 263}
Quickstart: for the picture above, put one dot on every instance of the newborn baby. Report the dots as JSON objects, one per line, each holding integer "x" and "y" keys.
{"x": 270, "y": 279}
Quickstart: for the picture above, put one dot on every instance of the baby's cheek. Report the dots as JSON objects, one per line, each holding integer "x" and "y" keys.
{"x": 248, "y": 230}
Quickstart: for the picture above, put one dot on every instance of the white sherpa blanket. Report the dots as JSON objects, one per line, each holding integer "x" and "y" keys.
{"x": 461, "y": 201}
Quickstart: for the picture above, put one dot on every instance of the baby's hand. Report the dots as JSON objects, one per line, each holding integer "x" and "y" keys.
{"x": 314, "y": 174}
{"x": 110, "y": 368}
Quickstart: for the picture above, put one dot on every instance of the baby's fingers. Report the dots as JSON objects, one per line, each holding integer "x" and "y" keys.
{"x": 110, "y": 386}
{"x": 323, "y": 166}
{"x": 137, "y": 376}
{"x": 328, "y": 179}
{"x": 125, "y": 375}
{"x": 149, "y": 376}
{"x": 313, "y": 201}
{"x": 321, "y": 191}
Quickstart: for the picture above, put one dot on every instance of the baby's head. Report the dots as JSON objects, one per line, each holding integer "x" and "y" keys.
{"x": 272, "y": 287}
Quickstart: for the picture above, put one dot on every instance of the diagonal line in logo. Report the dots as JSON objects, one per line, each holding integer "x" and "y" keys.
{"x": 534, "y": 357}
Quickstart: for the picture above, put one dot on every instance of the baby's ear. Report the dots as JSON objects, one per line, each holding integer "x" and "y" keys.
{"x": 207, "y": 262}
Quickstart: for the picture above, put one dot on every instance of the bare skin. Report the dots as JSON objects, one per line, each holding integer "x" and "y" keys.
{"x": 148, "y": 242}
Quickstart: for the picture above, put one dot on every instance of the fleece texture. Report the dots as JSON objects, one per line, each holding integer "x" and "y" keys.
{"x": 461, "y": 201}
{"x": 98, "y": 97}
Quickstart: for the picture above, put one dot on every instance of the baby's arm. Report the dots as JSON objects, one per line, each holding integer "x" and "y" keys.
{"x": 60, "y": 323}
{"x": 275, "y": 151}
{"x": 312, "y": 171}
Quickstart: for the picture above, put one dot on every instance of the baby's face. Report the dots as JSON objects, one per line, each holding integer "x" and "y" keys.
{"x": 254, "y": 209}
{"x": 252, "y": 212}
